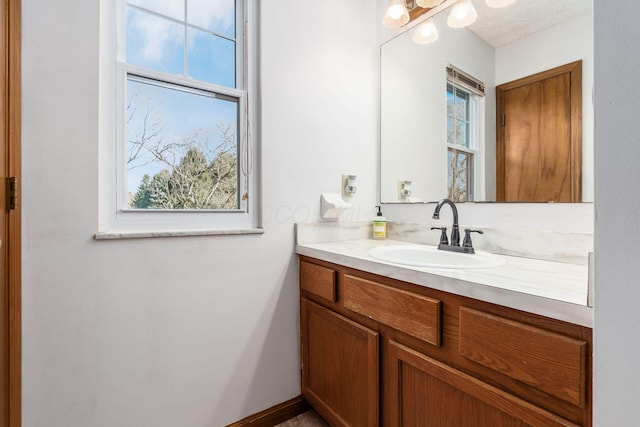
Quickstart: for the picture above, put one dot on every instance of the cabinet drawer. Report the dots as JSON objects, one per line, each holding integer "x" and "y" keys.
{"x": 413, "y": 314}
{"x": 550, "y": 362}
{"x": 318, "y": 280}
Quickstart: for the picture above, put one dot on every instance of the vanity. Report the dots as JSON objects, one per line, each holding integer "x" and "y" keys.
{"x": 395, "y": 345}
{"x": 390, "y": 344}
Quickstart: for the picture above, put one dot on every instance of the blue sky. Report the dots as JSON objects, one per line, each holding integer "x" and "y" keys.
{"x": 158, "y": 43}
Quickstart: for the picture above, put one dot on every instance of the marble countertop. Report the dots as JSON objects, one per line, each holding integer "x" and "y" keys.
{"x": 547, "y": 288}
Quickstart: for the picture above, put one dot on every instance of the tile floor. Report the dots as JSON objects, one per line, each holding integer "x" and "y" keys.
{"x": 308, "y": 419}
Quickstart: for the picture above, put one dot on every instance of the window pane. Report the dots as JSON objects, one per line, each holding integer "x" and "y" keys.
{"x": 212, "y": 58}
{"x": 462, "y": 133}
{"x": 451, "y": 135}
{"x": 217, "y": 16}
{"x": 182, "y": 148}
{"x": 450, "y": 101}
{"x": 172, "y": 8}
{"x": 458, "y": 175}
{"x": 154, "y": 42}
{"x": 462, "y": 105}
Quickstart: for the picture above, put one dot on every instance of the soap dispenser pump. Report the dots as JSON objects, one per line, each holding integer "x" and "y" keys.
{"x": 379, "y": 226}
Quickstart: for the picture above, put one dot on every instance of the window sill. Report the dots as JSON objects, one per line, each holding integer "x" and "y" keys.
{"x": 117, "y": 235}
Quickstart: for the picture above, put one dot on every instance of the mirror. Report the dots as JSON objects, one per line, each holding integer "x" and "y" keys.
{"x": 502, "y": 46}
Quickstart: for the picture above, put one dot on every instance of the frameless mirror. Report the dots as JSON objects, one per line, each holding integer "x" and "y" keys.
{"x": 440, "y": 137}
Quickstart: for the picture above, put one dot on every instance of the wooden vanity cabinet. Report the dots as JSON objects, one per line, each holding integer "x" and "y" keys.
{"x": 377, "y": 351}
{"x": 340, "y": 358}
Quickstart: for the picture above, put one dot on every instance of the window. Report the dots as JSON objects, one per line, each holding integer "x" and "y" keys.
{"x": 182, "y": 105}
{"x": 183, "y": 155}
{"x": 461, "y": 144}
{"x": 465, "y": 106}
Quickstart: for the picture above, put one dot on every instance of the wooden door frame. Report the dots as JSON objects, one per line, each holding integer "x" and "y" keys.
{"x": 12, "y": 247}
{"x": 575, "y": 72}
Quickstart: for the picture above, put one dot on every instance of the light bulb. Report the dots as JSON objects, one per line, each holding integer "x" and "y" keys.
{"x": 396, "y": 14}
{"x": 425, "y": 33}
{"x": 395, "y": 11}
{"x": 428, "y": 3}
{"x": 462, "y": 14}
{"x": 499, "y": 3}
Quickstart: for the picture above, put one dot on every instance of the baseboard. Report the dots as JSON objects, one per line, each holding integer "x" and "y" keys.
{"x": 275, "y": 415}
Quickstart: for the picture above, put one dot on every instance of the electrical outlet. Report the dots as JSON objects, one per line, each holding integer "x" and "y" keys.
{"x": 348, "y": 185}
{"x": 404, "y": 189}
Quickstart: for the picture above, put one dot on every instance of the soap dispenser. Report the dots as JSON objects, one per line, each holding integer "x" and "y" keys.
{"x": 379, "y": 226}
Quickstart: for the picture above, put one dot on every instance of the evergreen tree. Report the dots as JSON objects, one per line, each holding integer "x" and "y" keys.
{"x": 142, "y": 198}
{"x": 160, "y": 190}
{"x": 193, "y": 184}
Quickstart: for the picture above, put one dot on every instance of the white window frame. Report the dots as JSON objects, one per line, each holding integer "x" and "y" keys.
{"x": 476, "y": 142}
{"x": 116, "y": 219}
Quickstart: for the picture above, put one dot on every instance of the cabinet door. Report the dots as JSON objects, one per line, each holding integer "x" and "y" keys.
{"x": 427, "y": 393}
{"x": 339, "y": 367}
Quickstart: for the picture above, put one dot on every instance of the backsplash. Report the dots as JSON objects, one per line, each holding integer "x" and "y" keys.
{"x": 571, "y": 248}
{"x": 565, "y": 247}
{"x": 321, "y": 232}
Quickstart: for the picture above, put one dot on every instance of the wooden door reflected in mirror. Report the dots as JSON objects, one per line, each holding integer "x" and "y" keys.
{"x": 539, "y": 137}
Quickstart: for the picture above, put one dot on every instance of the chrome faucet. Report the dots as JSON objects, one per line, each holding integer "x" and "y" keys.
{"x": 454, "y": 246}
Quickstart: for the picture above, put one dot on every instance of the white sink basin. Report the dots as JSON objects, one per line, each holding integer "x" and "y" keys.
{"x": 428, "y": 256}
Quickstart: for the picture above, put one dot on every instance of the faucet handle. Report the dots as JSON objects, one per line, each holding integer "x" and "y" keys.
{"x": 466, "y": 243}
{"x": 444, "y": 240}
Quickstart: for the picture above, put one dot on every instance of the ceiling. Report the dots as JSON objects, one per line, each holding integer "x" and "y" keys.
{"x": 499, "y": 27}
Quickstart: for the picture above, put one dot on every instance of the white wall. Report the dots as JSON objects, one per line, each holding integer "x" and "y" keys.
{"x": 559, "y": 45}
{"x": 182, "y": 331}
{"x": 617, "y": 291}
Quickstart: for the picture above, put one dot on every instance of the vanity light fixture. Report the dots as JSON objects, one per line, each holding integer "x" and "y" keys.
{"x": 462, "y": 14}
{"x": 429, "y": 3}
{"x": 499, "y": 3}
{"x": 425, "y": 33}
{"x": 396, "y": 15}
